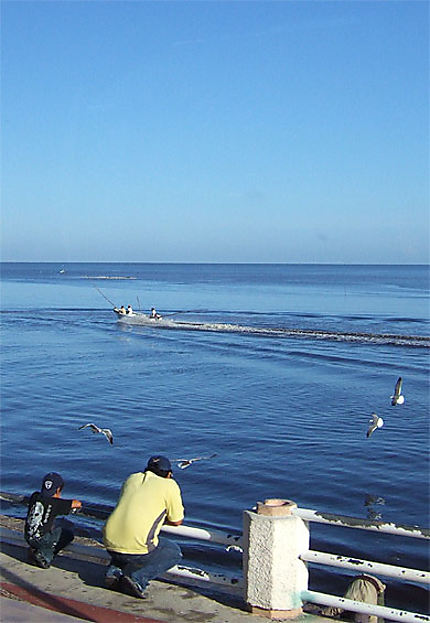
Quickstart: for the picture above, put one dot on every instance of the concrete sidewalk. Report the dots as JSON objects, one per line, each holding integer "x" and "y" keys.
{"x": 14, "y": 611}
{"x": 72, "y": 590}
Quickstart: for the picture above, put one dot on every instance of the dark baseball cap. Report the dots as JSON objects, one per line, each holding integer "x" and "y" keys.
{"x": 51, "y": 482}
{"x": 159, "y": 463}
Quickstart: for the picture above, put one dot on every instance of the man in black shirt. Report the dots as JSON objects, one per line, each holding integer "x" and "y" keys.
{"x": 46, "y": 539}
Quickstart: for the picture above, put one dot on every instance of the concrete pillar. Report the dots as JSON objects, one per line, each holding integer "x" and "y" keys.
{"x": 273, "y": 572}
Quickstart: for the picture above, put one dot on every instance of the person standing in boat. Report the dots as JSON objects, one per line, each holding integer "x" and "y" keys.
{"x": 148, "y": 500}
{"x": 154, "y": 314}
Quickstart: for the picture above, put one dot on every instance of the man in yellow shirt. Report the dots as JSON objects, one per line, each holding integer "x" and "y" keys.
{"x": 147, "y": 500}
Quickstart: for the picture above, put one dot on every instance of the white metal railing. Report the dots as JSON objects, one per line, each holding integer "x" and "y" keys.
{"x": 366, "y": 566}
{"x": 230, "y": 539}
{"x": 361, "y": 524}
{"x": 205, "y": 534}
{"x": 235, "y": 541}
{"x": 350, "y": 605}
{"x": 200, "y": 575}
{"x": 335, "y": 560}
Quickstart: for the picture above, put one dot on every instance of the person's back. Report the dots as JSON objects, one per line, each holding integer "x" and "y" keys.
{"x": 44, "y": 538}
{"x": 146, "y": 501}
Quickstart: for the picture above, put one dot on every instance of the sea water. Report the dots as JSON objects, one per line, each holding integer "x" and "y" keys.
{"x": 284, "y": 400}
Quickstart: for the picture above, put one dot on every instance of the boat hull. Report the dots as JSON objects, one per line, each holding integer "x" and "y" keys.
{"x": 143, "y": 319}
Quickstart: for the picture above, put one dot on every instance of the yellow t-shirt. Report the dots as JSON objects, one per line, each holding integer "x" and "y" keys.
{"x": 146, "y": 500}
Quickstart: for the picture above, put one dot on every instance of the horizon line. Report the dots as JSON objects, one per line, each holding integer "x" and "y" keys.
{"x": 62, "y": 263}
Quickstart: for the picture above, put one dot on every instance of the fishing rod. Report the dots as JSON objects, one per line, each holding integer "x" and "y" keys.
{"x": 104, "y": 296}
{"x": 187, "y": 311}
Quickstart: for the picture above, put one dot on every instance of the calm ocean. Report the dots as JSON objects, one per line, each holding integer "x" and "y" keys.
{"x": 284, "y": 399}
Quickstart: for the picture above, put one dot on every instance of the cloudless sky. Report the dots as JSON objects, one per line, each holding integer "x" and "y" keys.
{"x": 288, "y": 131}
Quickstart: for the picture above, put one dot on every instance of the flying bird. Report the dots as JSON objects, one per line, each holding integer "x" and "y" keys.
{"x": 184, "y": 463}
{"x": 398, "y": 399}
{"x": 375, "y": 422}
{"x": 106, "y": 431}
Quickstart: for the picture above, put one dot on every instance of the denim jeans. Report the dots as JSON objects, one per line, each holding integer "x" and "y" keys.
{"x": 52, "y": 542}
{"x": 145, "y": 567}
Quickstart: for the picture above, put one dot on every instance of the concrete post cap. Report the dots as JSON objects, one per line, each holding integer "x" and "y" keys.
{"x": 275, "y": 507}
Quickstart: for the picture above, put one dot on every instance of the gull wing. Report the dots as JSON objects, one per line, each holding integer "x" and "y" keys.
{"x": 397, "y": 397}
{"x": 397, "y": 392}
{"x": 398, "y": 388}
{"x": 373, "y": 425}
{"x": 108, "y": 434}
{"x": 202, "y": 458}
{"x": 94, "y": 428}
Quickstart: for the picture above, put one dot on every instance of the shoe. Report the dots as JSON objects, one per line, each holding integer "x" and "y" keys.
{"x": 113, "y": 580}
{"x": 36, "y": 557}
{"x": 131, "y": 587}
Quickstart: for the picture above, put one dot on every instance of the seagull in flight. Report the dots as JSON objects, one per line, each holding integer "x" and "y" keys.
{"x": 375, "y": 422}
{"x": 106, "y": 431}
{"x": 398, "y": 399}
{"x": 184, "y": 463}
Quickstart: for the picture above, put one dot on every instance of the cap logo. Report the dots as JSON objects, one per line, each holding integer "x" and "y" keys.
{"x": 48, "y": 484}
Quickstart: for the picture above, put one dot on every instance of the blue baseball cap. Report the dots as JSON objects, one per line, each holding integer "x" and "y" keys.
{"x": 51, "y": 482}
{"x": 159, "y": 463}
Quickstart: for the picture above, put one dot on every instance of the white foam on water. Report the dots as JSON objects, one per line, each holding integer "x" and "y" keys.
{"x": 374, "y": 338}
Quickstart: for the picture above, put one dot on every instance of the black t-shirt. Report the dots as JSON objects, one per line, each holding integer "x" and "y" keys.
{"x": 41, "y": 513}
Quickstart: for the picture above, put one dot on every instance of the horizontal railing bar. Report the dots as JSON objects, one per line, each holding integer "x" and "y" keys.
{"x": 361, "y": 524}
{"x": 347, "y": 562}
{"x": 205, "y": 576}
{"x": 92, "y": 553}
{"x": 102, "y": 512}
{"x": 204, "y": 534}
{"x": 357, "y": 606}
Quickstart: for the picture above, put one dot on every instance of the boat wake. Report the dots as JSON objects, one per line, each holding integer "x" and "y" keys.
{"x": 281, "y": 332}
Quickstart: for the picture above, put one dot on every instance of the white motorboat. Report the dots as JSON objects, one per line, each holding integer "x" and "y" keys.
{"x": 144, "y": 319}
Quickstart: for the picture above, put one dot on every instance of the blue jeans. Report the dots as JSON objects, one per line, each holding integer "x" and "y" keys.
{"x": 145, "y": 567}
{"x": 52, "y": 542}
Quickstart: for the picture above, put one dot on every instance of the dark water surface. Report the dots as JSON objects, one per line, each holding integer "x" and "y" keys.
{"x": 286, "y": 412}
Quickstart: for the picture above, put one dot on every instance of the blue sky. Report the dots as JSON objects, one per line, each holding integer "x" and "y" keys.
{"x": 215, "y": 131}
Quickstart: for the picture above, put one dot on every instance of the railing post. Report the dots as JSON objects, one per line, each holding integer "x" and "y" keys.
{"x": 273, "y": 572}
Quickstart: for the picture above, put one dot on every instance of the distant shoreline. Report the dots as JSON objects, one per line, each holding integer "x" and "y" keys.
{"x": 105, "y": 277}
